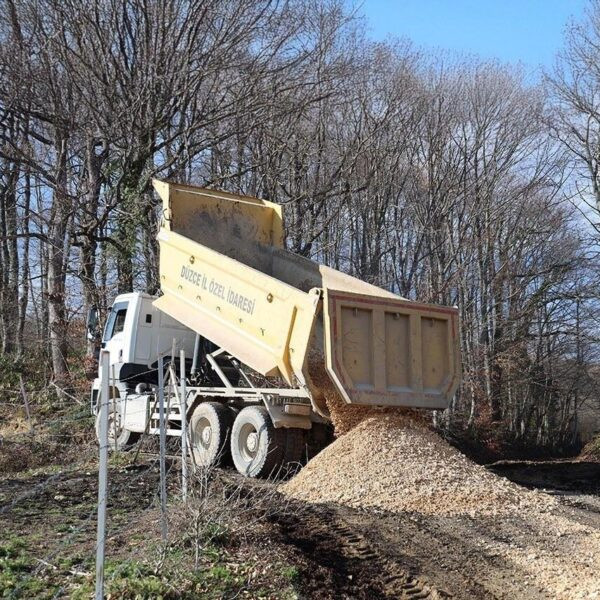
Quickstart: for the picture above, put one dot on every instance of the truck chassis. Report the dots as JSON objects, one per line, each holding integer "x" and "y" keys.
{"x": 262, "y": 430}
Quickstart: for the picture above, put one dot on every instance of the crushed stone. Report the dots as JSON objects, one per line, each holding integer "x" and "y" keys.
{"x": 394, "y": 462}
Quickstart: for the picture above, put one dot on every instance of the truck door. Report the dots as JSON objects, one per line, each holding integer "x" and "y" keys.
{"x": 114, "y": 332}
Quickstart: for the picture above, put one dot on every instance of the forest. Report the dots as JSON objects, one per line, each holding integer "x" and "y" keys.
{"x": 447, "y": 179}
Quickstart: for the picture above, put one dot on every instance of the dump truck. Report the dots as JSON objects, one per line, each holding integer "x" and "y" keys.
{"x": 270, "y": 338}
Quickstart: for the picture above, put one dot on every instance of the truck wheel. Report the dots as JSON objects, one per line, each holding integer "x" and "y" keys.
{"x": 210, "y": 427}
{"x": 319, "y": 437}
{"x": 256, "y": 446}
{"x": 295, "y": 448}
{"x": 119, "y": 438}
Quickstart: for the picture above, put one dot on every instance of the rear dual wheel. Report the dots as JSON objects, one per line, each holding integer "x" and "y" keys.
{"x": 219, "y": 434}
{"x": 256, "y": 446}
{"x": 210, "y": 428}
{"x": 258, "y": 449}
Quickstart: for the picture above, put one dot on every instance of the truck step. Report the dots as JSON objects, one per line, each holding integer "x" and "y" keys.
{"x": 168, "y": 416}
{"x": 171, "y": 432}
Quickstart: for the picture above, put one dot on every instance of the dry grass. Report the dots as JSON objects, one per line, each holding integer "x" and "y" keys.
{"x": 223, "y": 507}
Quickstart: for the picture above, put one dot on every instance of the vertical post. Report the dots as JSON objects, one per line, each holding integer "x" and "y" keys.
{"x": 163, "y": 444}
{"x": 172, "y": 376}
{"x": 114, "y": 406}
{"x": 102, "y": 472}
{"x": 26, "y": 402}
{"x": 183, "y": 413}
{"x": 195, "y": 357}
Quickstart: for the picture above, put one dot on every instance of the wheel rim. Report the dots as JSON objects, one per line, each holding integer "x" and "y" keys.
{"x": 114, "y": 426}
{"x": 203, "y": 434}
{"x": 248, "y": 442}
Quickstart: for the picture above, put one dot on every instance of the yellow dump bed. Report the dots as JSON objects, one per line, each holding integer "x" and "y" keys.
{"x": 225, "y": 274}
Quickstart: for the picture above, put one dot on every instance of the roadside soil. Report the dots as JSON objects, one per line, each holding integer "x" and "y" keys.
{"x": 338, "y": 552}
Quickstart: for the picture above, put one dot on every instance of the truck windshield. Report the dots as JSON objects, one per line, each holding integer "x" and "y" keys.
{"x": 116, "y": 320}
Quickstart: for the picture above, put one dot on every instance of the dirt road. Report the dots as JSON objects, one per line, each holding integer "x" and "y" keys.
{"x": 442, "y": 557}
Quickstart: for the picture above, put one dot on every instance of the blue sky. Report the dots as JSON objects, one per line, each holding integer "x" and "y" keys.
{"x": 526, "y": 31}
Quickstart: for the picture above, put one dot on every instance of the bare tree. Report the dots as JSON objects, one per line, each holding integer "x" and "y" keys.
{"x": 575, "y": 83}
{"x": 442, "y": 180}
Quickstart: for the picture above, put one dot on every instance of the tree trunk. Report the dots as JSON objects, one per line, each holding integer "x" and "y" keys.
{"x": 25, "y": 270}
{"x": 10, "y": 260}
{"x": 57, "y": 232}
{"x": 88, "y": 241}
{"x": 151, "y": 251}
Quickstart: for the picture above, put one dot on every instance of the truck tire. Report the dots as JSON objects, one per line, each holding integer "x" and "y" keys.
{"x": 210, "y": 428}
{"x": 125, "y": 439}
{"x": 295, "y": 449}
{"x": 319, "y": 437}
{"x": 257, "y": 448}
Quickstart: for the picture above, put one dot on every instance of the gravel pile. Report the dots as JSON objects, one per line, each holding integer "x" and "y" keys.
{"x": 591, "y": 451}
{"x": 395, "y": 463}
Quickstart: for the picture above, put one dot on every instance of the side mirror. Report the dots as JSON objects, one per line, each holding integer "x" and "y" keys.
{"x": 92, "y": 324}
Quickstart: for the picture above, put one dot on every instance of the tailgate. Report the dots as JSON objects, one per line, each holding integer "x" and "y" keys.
{"x": 391, "y": 352}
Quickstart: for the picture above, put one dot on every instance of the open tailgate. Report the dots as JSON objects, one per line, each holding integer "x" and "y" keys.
{"x": 391, "y": 352}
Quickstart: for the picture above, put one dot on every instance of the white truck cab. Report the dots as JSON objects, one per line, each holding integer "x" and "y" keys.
{"x": 135, "y": 334}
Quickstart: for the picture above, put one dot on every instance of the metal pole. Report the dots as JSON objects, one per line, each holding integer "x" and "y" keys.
{"x": 183, "y": 413}
{"x": 195, "y": 357}
{"x": 163, "y": 445}
{"x": 102, "y": 473}
{"x": 114, "y": 406}
{"x": 172, "y": 376}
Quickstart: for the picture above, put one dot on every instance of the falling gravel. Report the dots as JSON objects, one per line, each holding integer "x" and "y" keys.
{"x": 346, "y": 417}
